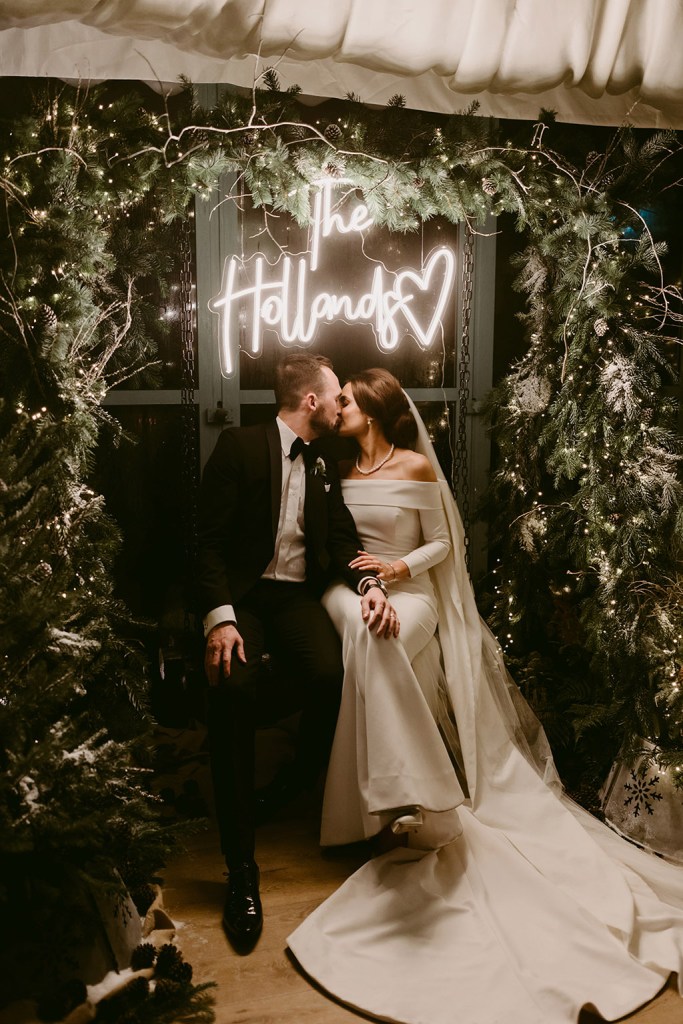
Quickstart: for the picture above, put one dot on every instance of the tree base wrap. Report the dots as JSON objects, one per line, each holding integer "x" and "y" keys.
{"x": 103, "y": 965}
{"x": 641, "y": 803}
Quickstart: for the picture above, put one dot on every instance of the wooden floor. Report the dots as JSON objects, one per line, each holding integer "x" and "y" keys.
{"x": 267, "y": 987}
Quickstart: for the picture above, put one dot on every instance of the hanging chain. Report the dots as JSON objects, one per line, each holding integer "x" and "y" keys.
{"x": 461, "y": 469}
{"x": 190, "y": 431}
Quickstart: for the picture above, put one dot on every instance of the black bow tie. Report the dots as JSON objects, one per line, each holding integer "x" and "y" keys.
{"x": 299, "y": 447}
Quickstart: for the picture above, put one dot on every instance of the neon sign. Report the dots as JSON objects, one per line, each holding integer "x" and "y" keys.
{"x": 283, "y": 296}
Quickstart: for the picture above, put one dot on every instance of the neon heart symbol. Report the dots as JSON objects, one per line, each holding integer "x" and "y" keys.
{"x": 423, "y": 282}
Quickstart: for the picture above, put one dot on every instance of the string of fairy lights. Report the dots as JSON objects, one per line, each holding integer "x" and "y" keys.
{"x": 583, "y": 336}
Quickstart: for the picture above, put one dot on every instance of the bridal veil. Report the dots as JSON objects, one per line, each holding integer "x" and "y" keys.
{"x": 537, "y": 910}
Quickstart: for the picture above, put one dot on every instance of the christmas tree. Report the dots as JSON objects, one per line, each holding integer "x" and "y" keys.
{"x": 80, "y": 235}
{"x": 587, "y": 501}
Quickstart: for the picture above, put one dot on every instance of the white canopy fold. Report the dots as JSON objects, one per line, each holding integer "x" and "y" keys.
{"x": 595, "y": 61}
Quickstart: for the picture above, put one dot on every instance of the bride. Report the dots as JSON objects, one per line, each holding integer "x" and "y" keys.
{"x": 378, "y": 774}
{"x": 510, "y": 904}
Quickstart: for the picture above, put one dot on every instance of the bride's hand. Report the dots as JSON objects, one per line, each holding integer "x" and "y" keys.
{"x": 388, "y": 572}
{"x": 372, "y": 563}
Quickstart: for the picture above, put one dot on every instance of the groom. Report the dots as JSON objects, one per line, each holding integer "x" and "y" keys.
{"x": 273, "y": 530}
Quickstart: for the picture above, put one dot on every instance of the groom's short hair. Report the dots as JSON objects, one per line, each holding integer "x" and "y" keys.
{"x": 296, "y": 375}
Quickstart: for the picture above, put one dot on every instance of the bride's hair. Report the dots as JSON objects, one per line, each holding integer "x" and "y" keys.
{"x": 379, "y": 395}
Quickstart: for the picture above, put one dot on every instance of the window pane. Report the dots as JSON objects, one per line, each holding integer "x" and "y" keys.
{"x": 142, "y": 483}
{"x": 439, "y": 419}
{"x": 160, "y": 318}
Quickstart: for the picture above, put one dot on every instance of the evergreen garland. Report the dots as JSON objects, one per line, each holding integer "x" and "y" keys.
{"x": 587, "y": 497}
{"x": 587, "y": 501}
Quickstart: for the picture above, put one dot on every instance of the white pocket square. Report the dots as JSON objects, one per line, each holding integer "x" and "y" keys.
{"x": 327, "y": 488}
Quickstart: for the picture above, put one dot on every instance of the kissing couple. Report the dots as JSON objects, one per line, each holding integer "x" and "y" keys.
{"x": 353, "y": 579}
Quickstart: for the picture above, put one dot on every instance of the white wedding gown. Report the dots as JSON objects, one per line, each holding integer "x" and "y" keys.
{"x": 387, "y": 751}
{"x": 526, "y": 909}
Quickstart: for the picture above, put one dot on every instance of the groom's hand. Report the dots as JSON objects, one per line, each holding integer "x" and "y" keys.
{"x": 377, "y": 612}
{"x": 221, "y": 643}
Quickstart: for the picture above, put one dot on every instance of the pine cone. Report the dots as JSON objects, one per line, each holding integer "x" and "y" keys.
{"x": 143, "y": 956}
{"x": 45, "y": 322}
{"x": 143, "y": 896}
{"x": 169, "y": 959}
{"x": 601, "y": 327}
{"x": 418, "y": 182}
{"x": 121, "y": 1005}
{"x": 333, "y": 132}
{"x": 488, "y": 186}
{"x": 333, "y": 171}
{"x": 135, "y": 991}
{"x": 42, "y": 572}
{"x": 166, "y": 989}
{"x": 249, "y": 139}
{"x": 171, "y": 967}
{"x": 182, "y": 973}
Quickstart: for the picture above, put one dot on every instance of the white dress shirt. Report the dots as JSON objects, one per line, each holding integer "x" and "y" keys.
{"x": 289, "y": 559}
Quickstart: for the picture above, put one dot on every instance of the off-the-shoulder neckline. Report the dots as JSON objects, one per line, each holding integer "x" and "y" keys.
{"x": 387, "y": 480}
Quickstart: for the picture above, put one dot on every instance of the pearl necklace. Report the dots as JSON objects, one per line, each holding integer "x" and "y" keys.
{"x": 367, "y": 472}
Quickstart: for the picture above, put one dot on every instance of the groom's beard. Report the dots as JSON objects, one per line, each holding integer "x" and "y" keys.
{"x": 323, "y": 425}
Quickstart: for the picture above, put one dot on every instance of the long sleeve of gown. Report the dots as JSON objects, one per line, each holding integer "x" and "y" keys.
{"x": 436, "y": 542}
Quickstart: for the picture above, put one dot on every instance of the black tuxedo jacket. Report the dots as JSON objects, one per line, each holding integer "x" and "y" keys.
{"x": 240, "y": 510}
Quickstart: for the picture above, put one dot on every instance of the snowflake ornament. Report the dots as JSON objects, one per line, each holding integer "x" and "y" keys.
{"x": 642, "y": 792}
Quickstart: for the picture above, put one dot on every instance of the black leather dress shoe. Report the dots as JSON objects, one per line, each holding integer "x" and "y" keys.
{"x": 242, "y": 913}
{"x": 277, "y": 794}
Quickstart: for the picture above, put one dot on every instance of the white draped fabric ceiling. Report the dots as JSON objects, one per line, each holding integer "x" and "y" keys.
{"x": 594, "y": 61}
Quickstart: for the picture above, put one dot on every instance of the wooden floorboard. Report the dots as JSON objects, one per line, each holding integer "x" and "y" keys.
{"x": 267, "y": 987}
